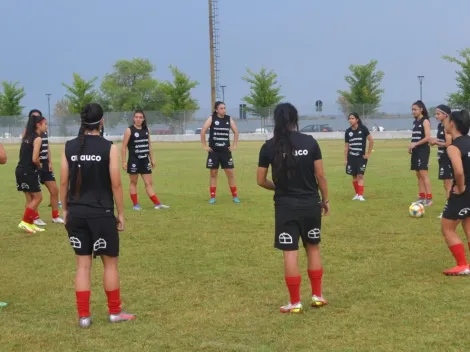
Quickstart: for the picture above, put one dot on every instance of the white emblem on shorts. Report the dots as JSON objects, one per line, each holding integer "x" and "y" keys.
{"x": 134, "y": 165}
{"x": 314, "y": 234}
{"x": 75, "y": 242}
{"x": 24, "y": 186}
{"x": 210, "y": 160}
{"x": 464, "y": 211}
{"x": 285, "y": 238}
{"x": 99, "y": 244}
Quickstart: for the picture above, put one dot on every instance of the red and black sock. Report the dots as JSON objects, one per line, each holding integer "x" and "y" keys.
{"x": 458, "y": 251}
{"x": 315, "y": 277}
{"x": 83, "y": 303}
{"x": 212, "y": 191}
{"x": 293, "y": 285}
{"x": 234, "y": 191}
{"x": 355, "y": 184}
{"x": 134, "y": 199}
{"x": 114, "y": 301}
{"x": 155, "y": 199}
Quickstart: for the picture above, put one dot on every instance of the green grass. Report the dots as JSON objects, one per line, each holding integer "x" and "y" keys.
{"x": 207, "y": 278}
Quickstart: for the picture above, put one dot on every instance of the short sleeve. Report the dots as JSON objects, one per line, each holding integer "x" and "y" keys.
{"x": 264, "y": 159}
{"x": 346, "y": 139}
{"x": 316, "y": 151}
{"x": 365, "y": 131}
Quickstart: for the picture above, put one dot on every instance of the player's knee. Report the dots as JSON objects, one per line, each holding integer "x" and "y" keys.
{"x": 213, "y": 173}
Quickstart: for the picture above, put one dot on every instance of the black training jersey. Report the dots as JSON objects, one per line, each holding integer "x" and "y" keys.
{"x": 418, "y": 132}
{"x": 26, "y": 154}
{"x": 138, "y": 145}
{"x": 357, "y": 140}
{"x": 44, "y": 153}
{"x": 463, "y": 144}
{"x": 441, "y": 137}
{"x": 219, "y": 133}
{"x": 95, "y": 198}
{"x": 302, "y": 187}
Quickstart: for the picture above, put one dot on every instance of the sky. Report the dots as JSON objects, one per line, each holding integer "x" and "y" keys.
{"x": 309, "y": 44}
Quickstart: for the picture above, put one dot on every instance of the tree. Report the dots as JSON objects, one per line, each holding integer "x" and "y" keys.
{"x": 62, "y": 112}
{"x": 264, "y": 92}
{"x": 461, "y": 98}
{"x": 131, "y": 86}
{"x": 10, "y": 104}
{"x": 364, "y": 95}
{"x": 80, "y": 93}
{"x": 179, "y": 105}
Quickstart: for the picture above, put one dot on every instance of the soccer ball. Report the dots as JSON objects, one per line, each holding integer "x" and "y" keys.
{"x": 416, "y": 210}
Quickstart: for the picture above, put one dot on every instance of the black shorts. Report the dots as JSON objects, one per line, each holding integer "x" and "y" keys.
{"x": 137, "y": 166}
{"x": 457, "y": 207}
{"x": 218, "y": 159}
{"x": 98, "y": 236}
{"x": 292, "y": 224}
{"x": 356, "y": 166}
{"x": 445, "y": 169}
{"x": 27, "y": 181}
{"x": 46, "y": 176}
{"x": 420, "y": 158}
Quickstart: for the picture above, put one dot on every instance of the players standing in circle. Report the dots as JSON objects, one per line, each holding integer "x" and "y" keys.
{"x": 355, "y": 156}
{"x": 442, "y": 141}
{"x": 419, "y": 149}
{"x": 140, "y": 161}
{"x": 297, "y": 173}
{"x": 90, "y": 184}
{"x": 27, "y": 177}
{"x": 219, "y": 149}
{"x": 457, "y": 208}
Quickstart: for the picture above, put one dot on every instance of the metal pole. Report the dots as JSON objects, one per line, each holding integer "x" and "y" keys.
{"x": 211, "y": 39}
{"x": 49, "y": 112}
{"x": 420, "y": 87}
{"x": 223, "y": 93}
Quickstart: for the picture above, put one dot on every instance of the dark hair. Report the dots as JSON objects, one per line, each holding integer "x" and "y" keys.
{"x": 216, "y": 106}
{"x": 356, "y": 115}
{"x": 34, "y": 111}
{"x": 144, "y": 123}
{"x": 444, "y": 108}
{"x": 31, "y": 125}
{"x": 421, "y": 105}
{"x": 286, "y": 119}
{"x": 91, "y": 116}
{"x": 461, "y": 120}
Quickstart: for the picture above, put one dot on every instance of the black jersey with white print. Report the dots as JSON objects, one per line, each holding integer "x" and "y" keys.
{"x": 219, "y": 133}
{"x": 357, "y": 140}
{"x": 44, "y": 153}
{"x": 418, "y": 132}
{"x": 463, "y": 144}
{"x": 441, "y": 137}
{"x": 138, "y": 145}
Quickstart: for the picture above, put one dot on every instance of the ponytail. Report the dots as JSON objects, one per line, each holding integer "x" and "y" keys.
{"x": 421, "y": 105}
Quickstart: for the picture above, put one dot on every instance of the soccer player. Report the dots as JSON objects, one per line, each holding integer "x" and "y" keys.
{"x": 140, "y": 161}
{"x": 419, "y": 149}
{"x": 27, "y": 177}
{"x": 3, "y": 155}
{"x": 442, "y": 141}
{"x": 90, "y": 184}
{"x": 219, "y": 149}
{"x": 297, "y": 173}
{"x": 355, "y": 156}
{"x": 457, "y": 208}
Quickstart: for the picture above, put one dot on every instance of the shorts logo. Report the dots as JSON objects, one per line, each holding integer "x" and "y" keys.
{"x": 314, "y": 234}
{"x": 464, "y": 211}
{"x": 75, "y": 242}
{"x": 99, "y": 244}
{"x": 285, "y": 238}
{"x": 24, "y": 186}
{"x": 134, "y": 165}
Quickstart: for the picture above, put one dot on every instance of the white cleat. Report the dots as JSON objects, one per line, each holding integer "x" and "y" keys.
{"x": 58, "y": 220}
{"x": 39, "y": 222}
{"x": 161, "y": 206}
{"x": 361, "y": 198}
{"x": 84, "y": 322}
{"x": 440, "y": 216}
{"x": 356, "y": 197}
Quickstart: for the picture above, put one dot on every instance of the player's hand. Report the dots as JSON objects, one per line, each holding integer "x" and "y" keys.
{"x": 325, "y": 208}
{"x": 433, "y": 141}
{"x": 51, "y": 169}
{"x": 120, "y": 222}
{"x": 208, "y": 149}
{"x": 366, "y": 156}
{"x": 232, "y": 148}
{"x": 64, "y": 216}
{"x": 152, "y": 162}
{"x": 455, "y": 190}
{"x": 345, "y": 161}
{"x": 124, "y": 166}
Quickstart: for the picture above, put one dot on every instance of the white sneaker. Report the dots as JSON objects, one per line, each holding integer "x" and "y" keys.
{"x": 361, "y": 198}
{"x": 58, "y": 220}
{"x": 39, "y": 222}
{"x": 161, "y": 206}
{"x": 292, "y": 308}
{"x": 356, "y": 197}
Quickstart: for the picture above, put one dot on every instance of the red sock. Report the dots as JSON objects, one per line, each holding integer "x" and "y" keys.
{"x": 212, "y": 191}
{"x": 36, "y": 215}
{"x": 315, "y": 280}
{"x": 422, "y": 195}
{"x": 458, "y": 251}
{"x": 155, "y": 199}
{"x": 429, "y": 196}
{"x": 114, "y": 301}
{"x": 234, "y": 191}
{"x": 355, "y": 184}
{"x": 55, "y": 214}
{"x": 83, "y": 303}
{"x": 360, "y": 190}
{"x": 28, "y": 215}
{"x": 134, "y": 199}
{"x": 293, "y": 285}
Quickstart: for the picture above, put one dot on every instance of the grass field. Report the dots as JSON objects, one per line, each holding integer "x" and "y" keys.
{"x": 207, "y": 278}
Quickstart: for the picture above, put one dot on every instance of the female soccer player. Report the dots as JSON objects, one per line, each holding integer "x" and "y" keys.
{"x": 355, "y": 156}
{"x": 141, "y": 161}
{"x": 420, "y": 150}
{"x": 27, "y": 177}
{"x": 297, "y": 173}
{"x": 219, "y": 149}
{"x": 3, "y": 155}
{"x": 90, "y": 183}
{"x": 457, "y": 208}
{"x": 442, "y": 141}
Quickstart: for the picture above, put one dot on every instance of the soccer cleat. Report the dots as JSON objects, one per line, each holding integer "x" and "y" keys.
{"x": 58, "y": 220}
{"x": 161, "y": 206}
{"x": 457, "y": 270}
{"x": 420, "y": 200}
{"x": 356, "y": 197}
{"x": 123, "y": 316}
{"x": 292, "y": 308}
{"x": 318, "y": 302}
{"x": 23, "y": 225}
{"x": 39, "y": 222}
{"x": 37, "y": 228}
{"x": 136, "y": 207}
{"x": 427, "y": 202}
{"x": 212, "y": 201}
{"x": 440, "y": 216}
{"x": 361, "y": 198}
{"x": 84, "y": 322}
{"x": 236, "y": 200}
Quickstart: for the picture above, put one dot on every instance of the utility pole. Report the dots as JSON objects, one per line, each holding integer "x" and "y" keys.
{"x": 223, "y": 93}
{"x": 420, "y": 87}
{"x": 49, "y": 114}
{"x": 211, "y": 39}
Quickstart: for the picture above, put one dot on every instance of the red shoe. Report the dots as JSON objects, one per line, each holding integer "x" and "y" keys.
{"x": 458, "y": 270}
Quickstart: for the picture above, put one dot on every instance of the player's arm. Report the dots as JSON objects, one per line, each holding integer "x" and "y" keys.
{"x": 204, "y": 129}
{"x": 234, "y": 128}
{"x": 64, "y": 182}
{"x": 262, "y": 173}
{"x": 370, "y": 146}
{"x": 3, "y": 155}
{"x": 116, "y": 184}
{"x": 427, "y": 133}
{"x": 320, "y": 176}
{"x": 125, "y": 142}
{"x": 456, "y": 159}
{"x": 346, "y": 147}
{"x": 447, "y": 143}
{"x": 36, "y": 150}
{"x": 152, "y": 160}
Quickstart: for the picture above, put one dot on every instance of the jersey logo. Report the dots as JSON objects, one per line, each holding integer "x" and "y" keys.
{"x": 136, "y": 134}
{"x": 360, "y": 132}
{"x": 86, "y": 158}
{"x": 350, "y": 134}
{"x": 216, "y": 123}
{"x": 301, "y": 152}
